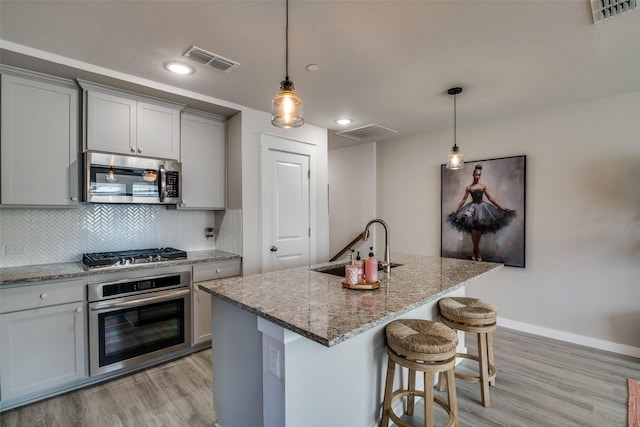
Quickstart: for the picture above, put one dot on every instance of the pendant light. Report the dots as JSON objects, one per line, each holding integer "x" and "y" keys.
{"x": 286, "y": 108}
{"x": 455, "y": 160}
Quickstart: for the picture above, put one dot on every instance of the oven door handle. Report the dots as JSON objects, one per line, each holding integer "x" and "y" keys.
{"x": 136, "y": 302}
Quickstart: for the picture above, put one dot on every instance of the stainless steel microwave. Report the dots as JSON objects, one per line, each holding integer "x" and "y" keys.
{"x": 113, "y": 178}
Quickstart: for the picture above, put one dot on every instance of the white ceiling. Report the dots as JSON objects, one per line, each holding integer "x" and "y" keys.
{"x": 383, "y": 62}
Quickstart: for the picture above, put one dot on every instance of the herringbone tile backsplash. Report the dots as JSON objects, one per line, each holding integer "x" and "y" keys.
{"x": 63, "y": 235}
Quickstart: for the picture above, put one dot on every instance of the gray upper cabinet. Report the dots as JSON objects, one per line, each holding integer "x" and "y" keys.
{"x": 111, "y": 123}
{"x": 123, "y": 123}
{"x": 40, "y": 140}
{"x": 203, "y": 156}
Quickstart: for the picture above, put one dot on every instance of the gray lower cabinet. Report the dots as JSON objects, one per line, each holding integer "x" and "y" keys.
{"x": 202, "y": 300}
{"x": 42, "y": 337}
{"x": 40, "y": 140}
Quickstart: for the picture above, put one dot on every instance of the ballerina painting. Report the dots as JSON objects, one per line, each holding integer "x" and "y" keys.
{"x": 498, "y": 217}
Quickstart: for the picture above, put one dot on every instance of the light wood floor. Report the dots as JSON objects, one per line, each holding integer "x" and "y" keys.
{"x": 544, "y": 383}
{"x": 541, "y": 382}
{"x": 176, "y": 394}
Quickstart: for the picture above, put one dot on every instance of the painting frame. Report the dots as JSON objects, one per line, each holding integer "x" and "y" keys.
{"x": 503, "y": 237}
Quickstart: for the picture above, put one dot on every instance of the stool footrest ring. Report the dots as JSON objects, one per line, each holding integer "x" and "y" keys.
{"x": 405, "y": 393}
{"x": 475, "y": 378}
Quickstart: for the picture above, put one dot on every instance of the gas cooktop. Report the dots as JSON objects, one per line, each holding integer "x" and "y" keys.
{"x": 137, "y": 256}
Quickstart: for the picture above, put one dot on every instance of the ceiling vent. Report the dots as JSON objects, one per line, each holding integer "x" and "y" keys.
{"x": 212, "y": 60}
{"x": 367, "y": 132}
{"x": 605, "y": 9}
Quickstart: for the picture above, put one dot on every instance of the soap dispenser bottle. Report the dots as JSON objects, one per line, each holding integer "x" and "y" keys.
{"x": 360, "y": 265}
{"x": 371, "y": 268}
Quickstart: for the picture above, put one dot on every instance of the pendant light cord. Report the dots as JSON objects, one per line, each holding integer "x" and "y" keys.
{"x": 455, "y": 143}
{"x": 286, "y": 42}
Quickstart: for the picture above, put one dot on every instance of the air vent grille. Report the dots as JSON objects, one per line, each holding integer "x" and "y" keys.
{"x": 605, "y": 9}
{"x": 367, "y": 132}
{"x": 210, "y": 59}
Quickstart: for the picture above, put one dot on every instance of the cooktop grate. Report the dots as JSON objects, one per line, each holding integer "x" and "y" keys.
{"x": 136, "y": 256}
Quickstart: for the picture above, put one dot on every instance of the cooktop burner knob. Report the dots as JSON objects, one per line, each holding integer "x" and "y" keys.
{"x": 158, "y": 258}
{"x": 150, "y": 258}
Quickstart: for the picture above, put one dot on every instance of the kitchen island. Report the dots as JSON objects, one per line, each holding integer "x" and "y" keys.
{"x": 295, "y": 348}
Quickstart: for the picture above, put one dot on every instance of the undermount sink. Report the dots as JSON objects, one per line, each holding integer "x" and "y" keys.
{"x": 339, "y": 270}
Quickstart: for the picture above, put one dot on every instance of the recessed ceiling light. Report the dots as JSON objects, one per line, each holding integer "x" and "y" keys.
{"x": 344, "y": 121}
{"x": 179, "y": 68}
{"x": 313, "y": 67}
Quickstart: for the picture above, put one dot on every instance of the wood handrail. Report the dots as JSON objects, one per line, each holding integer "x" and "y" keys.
{"x": 349, "y": 245}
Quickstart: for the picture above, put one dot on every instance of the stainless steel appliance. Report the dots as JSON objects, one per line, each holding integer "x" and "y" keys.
{"x": 126, "y": 179}
{"x": 137, "y": 256}
{"x": 132, "y": 321}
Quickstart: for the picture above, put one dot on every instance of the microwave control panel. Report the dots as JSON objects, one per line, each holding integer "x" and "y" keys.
{"x": 172, "y": 184}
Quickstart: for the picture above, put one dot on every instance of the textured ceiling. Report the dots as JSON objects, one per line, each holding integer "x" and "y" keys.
{"x": 383, "y": 62}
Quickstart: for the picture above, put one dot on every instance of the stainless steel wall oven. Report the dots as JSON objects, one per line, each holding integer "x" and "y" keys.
{"x": 132, "y": 321}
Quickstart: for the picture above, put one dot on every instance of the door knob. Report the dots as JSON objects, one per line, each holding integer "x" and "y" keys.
{"x": 274, "y": 249}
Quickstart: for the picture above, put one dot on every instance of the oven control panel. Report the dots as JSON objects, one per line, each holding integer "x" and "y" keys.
{"x": 128, "y": 287}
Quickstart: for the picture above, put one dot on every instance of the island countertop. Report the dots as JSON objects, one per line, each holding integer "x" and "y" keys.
{"x": 317, "y": 306}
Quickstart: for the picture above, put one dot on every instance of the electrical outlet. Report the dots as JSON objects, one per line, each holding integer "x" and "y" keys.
{"x": 14, "y": 249}
{"x": 274, "y": 361}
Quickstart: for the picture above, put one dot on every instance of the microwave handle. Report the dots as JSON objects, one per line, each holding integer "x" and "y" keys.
{"x": 162, "y": 183}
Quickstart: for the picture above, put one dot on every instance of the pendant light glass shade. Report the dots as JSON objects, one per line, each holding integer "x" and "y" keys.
{"x": 286, "y": 107}
{"x": 455, "y": 160}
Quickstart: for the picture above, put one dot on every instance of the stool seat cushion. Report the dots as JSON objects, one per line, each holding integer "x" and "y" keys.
{"x": 421, "y": 336}
{"x": 470, "y": 308}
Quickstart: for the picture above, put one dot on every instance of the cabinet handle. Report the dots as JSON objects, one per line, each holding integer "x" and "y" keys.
{"x": 133, "y": 150}
{"x": 139, "y": 150}
{"x": 73, "y": 199}
{"x": 79, "y": 310}
{"x": 218, "y": 270}
{"x": 43, "y": 295}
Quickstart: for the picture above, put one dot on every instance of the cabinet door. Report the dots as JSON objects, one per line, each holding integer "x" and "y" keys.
{"x": 203, "y": 154}
{"x": 201, "y": 315}
{"x": 158, "y": 131}
{"x": 111, "y": 123}
{"x": 202, "y": 299}
{"x": 41, "y": 348}
{"x": 40, "y": 145}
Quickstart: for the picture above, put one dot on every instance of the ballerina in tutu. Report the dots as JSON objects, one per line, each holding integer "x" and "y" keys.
{"x": 479, "y": 217}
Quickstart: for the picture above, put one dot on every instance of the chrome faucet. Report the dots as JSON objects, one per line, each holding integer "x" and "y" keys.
{"x": 387, "y": 255}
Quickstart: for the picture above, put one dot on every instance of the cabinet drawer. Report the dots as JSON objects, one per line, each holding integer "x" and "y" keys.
{"x": 216, "y": 270}
{"x": 37, "y": 296}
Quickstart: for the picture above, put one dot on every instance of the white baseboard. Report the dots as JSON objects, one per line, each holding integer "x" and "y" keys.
{"x": 627, "y": 350}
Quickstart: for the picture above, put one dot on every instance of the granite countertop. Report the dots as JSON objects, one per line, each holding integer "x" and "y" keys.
{"x": 66, "y": 270}
{"x": 315, "y": 305}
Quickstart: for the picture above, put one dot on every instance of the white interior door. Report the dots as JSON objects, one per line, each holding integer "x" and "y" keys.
{"x": 285, "y": 209}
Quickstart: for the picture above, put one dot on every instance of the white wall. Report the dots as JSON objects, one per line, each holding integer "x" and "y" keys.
{"x": 253, "y": 124}
{"x": 352, "y": 194}
{"x": 582, "y": 277}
